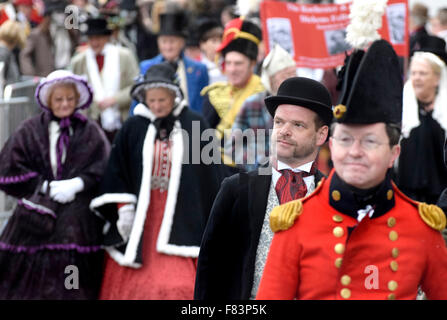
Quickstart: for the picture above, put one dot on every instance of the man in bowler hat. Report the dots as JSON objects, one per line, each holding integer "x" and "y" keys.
{"x": 237, "y": 237}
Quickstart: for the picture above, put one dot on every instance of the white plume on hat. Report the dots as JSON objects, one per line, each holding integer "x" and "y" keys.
{"x": 366, "y": 19}
{"x": 277, "y": 60}
{"x": 245, "y": 7}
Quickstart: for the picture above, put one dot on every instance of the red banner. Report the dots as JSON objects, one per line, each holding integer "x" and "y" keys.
{"x": 315, "y": 34}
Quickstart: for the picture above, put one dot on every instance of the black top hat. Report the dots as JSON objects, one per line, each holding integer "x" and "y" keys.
{"x": 54, "y": 6}
{"x": 371, "y": 87}
{"x": 163, "y": 74}
{"x": 432, "y": 44}
{"x": 303, "y": 92}
{"x": 173, "y": 24}
{"x": 97, "y": 26}
{"x": 242, "y": 36}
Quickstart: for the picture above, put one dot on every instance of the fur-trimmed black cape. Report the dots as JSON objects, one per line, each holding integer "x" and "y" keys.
{"x": 191, "y": 192}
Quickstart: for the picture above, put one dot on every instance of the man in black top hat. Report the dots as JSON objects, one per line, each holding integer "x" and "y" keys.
{"x": 237, "y": 236}
{"x": 193, "y": 75}
{"x": 111, "y": 71}
{"x": 357, "y": 236}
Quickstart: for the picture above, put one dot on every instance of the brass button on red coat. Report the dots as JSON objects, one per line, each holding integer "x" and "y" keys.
{"x": 345, "y": 280}
{"x": 391, "y": 222}
{"x": 395, "y": 253}
{"x": 345, "y": 293}
{"x": 393, "y": 235}
{"x": 339, "y": 248}
{"x": 338, "y": 232}
{"x": 338, "y": 262}
{"x": 337, "y": 218}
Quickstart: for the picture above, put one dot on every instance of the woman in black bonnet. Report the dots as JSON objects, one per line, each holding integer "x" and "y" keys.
{"x": 156, "y": 195}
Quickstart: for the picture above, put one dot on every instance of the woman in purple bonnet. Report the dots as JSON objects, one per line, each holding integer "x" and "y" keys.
{"x": 53, "y": 163}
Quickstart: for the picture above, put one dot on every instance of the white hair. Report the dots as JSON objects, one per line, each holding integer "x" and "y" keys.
{"x": 435, "y": 62}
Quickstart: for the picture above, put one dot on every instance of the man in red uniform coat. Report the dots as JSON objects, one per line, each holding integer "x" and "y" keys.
{"x": 357, "y": 236}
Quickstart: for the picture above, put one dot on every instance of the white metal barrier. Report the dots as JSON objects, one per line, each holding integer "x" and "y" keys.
{"x": 17, "y": 105}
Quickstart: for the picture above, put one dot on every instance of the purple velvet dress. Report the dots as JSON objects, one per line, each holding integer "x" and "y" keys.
{"x": 35, "y": 266}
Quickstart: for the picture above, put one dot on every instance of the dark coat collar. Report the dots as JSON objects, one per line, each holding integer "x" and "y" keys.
{"x": 343, "y": 199}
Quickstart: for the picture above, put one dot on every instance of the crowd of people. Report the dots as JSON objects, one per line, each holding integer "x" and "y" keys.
{"x": 172, "y": 159}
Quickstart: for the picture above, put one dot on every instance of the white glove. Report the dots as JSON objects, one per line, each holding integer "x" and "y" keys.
{"x": 111, "y": 119}
{"x": 64, "y": 191}
{"x": 44, "y": 187}
{"x": 126, "y": 216}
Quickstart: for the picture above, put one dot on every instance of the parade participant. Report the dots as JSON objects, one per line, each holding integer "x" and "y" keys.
{"x": 276, "y": 67}
{"x": 155, "y": 199}
{"x": 111, "y": 70}
{"x": 439, "y": 24}
{"x": 223, "y": 100}
{"x": 230, "y": 267}
{"x": 11, "y": 37}
{"x": 193, "y": 75}
{"x": 210, "y": 37}
{"x": 50, "y": 45}
{"x": 357, "y": 236}
{"x": 417, "y": 20}
{"x": 421, "y": 173}
{"x": 53, "y": 164}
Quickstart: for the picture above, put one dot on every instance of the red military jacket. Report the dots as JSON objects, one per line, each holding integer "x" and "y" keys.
{"x": 328, "y": 254}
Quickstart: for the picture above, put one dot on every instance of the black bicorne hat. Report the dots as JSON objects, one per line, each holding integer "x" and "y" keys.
{"x": 302, "y": 92}
{"x": 173, "y": 24}
{"x": 97, "y": 27}
{"x": 372, "y": 87}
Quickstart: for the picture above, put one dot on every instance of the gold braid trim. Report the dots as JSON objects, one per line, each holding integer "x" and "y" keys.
{"x": 241, "y": 34}
{"x": 283, "y": 217}
{"x": 432, "y": 215}
{"x": 220, "y": 98}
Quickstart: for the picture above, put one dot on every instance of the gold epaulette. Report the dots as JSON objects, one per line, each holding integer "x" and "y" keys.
{"x": 283, "y": 217}
{"x": 432, "y": 215}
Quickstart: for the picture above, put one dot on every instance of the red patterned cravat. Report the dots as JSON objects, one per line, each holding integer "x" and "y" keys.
{"x": 100, "y": 61}
{"x": 291, "y": 185}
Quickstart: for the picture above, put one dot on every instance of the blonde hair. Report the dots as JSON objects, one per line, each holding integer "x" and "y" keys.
{"x": 433, "y": 60}
{"x": 64, "y": 84}
{"x": 12, "y": 33}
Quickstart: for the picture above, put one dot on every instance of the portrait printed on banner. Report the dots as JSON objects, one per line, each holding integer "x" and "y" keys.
{"x": 280, "y": 32}
{"x": 396, "y": 22}
{"x": 335, "y": 41}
